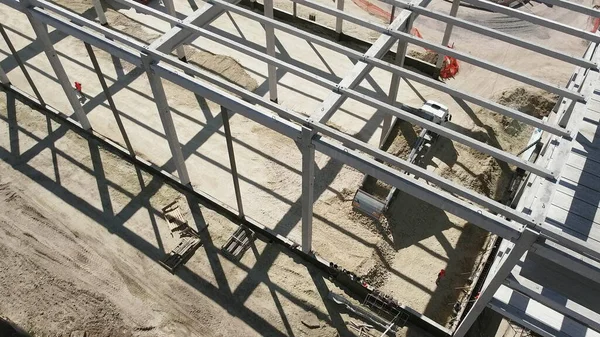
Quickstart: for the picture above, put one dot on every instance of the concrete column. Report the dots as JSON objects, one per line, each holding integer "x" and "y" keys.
{"x": 509, "y": 260}
{"x": 100, "y": 12}
{"x": 308, "y": 184}
{"x": 42, "y": 34}
{"x": 270, "y": 33}
{"x": 448, "y": 32}
{"x": 339, "y": 21}
{"x": 167, "y": 120}
{"x": 171, "y": 11}
{"x": 234, "y": 173}
{"x": 3, "y": 78}
{"x": 395, "y": 82}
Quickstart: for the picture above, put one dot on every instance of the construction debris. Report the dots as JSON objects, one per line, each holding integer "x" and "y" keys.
{"x": 190, "y": 241}
{"x": 238, "y": 243}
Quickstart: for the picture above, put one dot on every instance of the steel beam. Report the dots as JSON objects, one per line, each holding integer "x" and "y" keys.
{"x": 573, "y": 6}
{"x": 569, "y": 258}
{"x": 381, "y": 46}
{"x": 270, "y": 36}
{"x": 276, "y": 121}
{"x": 308, "y": 187}
{"x": 234, "y": 173}
{"x": 529, "y": 17}
{"x": 494, "y": 281}
{"x": 172, "y": 12}
{"x": 444, "y": 50}
{"x": 420, "y": 189}
{"x": 578, "y": 61}
{"x": 339, "y": 22}
{"x": 333, "y": 101}
{"x": 109, "y": 98}
{"x": 15, "y": 54}
{"x": 42, "y": 34}
{"x": 417, "y": 77}
{"x": 395, "y": 83}
{"x": 550, "y": 298}
{"x": 100, "y": 12}
{"x": 448, "y": 31}
{"x": 160, "y": 98}
{"x": 177, "y": 35}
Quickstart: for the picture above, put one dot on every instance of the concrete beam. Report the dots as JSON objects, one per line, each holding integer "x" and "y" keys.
{"x": 496, "y": 278}
{"x": 160, "y": 98}
{"x": 42, "y": 34}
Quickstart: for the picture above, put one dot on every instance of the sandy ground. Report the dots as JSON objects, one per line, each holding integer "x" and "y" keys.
{"x": 101, "y": 228}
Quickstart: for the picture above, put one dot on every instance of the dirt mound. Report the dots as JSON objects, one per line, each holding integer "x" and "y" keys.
{"x": 224, "y": 66}
{"x": 426, "y": 56}
{"x": 481, "y": 172}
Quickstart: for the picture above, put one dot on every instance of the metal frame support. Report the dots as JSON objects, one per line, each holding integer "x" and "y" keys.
{"x": 339, "y": 21}
{"x": 109, "y": 98}
{"x": 100, "y": 12}
{"x": 308, "y": 183}
{"x": 171, "y": 10}
{"x": 334, "y": 100}
{"x": 395, "y": 81}
{"x": 448, "y": 31}
{"x": 509, "y": 260}
{"x": 270, "y": 34}
{"x": 3, "y": 78}
{"x": 166, "y": 119}
{"x": 177, "y": 35}
{"x": 41, "y": 32}
{"x": 15, "y": 54}
{"x": 483, "y": 30}
{"x": 234, "y": 173}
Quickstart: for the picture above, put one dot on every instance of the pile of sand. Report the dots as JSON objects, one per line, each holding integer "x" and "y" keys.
{"x": 425, "y": 56}
{"x": 222, "y": 65}
{"x": 479, "y": 171}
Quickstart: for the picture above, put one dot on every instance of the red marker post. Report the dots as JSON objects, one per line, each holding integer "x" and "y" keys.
{"x": 440, "y": 276}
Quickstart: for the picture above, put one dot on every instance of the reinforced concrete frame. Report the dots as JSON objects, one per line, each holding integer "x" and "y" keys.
{"x": 311, "y": 132}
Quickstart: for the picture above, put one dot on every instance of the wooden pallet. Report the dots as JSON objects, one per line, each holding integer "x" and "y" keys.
{"x": 184, "y": 250}
{"x": 174, "y": 217}
{"x": 238, "y": 243}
